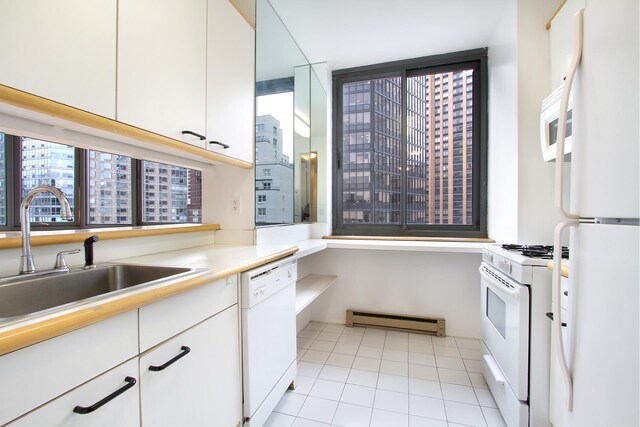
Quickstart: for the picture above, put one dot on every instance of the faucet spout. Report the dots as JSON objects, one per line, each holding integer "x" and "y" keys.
{"x": 26, "y": 261}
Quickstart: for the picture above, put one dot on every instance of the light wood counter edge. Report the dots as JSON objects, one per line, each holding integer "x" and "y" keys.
{"x": 564, "y": 269}
{"x": 414, "y": 239}
{"x": 31, "y": 102}
{"x": 59, "y": 239}
{"x": 25, "y": 336}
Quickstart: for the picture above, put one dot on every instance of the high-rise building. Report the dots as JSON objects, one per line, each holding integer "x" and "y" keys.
{"x": 438, "y": 149}
{"x": 3, "y": 184}
{"x": 194, "y": 201}
{"x": 109, "y": 188}
{"x": 166, "y": 192}
{"x": 274, "y": 175}
{"x": 47, "y": 163}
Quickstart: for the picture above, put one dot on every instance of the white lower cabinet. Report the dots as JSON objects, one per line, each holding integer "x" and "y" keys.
{"x": 112, "y": 399}
{"x": 188, "y": 375}
{"x": 40, "y": 373}
{"x": 193, "y": 379}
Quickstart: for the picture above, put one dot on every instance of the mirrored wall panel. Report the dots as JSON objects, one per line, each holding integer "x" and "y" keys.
{"x": 287, "y": 167}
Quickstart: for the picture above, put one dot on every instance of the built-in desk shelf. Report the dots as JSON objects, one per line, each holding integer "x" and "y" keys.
{"x": 311, "y": 287}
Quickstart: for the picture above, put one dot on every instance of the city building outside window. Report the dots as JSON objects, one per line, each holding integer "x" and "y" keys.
{"x": 105, "y": 183}
{"x": 410, "y": 155}
{"x": 3, "y": 184}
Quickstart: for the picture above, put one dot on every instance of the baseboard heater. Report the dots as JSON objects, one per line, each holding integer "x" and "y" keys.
{"x": 433, "y": 325}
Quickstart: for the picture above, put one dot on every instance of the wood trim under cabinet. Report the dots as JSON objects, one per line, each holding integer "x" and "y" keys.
{"x": 414, "y": 239}
{"x": 548, "y": 26}
{"x": 20, "y": 99}
{"x": 245, "y": 16}
{"x": 51, "y": 327}
{"x": 78, "y": 236}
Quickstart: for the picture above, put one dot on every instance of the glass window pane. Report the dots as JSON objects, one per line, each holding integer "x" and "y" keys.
{"x": 3, "y": 184}
{"x": 109, "y": 186}
{"x": 47, "y": 163}
{"x": 171, "y": 193}
{"x": 439, "y": 149}
{"x": 372, "y": 169}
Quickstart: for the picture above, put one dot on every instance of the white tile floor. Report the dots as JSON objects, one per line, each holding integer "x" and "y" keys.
{"x": 354, "y": 377}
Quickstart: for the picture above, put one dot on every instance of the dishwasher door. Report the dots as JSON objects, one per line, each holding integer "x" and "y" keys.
{"x": 269, "y": 342}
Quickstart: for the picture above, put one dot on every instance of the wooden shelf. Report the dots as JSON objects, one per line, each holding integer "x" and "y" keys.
{"x": 310, "y": 288}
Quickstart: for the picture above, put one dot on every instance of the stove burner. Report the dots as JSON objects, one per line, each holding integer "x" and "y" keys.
{"x": 536, "y": 251}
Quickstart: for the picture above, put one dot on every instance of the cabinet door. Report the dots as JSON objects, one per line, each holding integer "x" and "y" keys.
{"x": 230, "y": 82}
{"x": 200, "y": 387}
{"x": 122, "y": 410}
{"x": 161, "y": 66}
{"x": 63, "y": 50}
{"x": 34, "y": 375}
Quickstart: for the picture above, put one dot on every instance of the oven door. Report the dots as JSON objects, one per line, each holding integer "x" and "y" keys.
{"x": 505, "y": 326}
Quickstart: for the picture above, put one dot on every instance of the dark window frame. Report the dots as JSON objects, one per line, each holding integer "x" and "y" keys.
{"x": 477, "y": 58}
{"x": 13, "y": 193}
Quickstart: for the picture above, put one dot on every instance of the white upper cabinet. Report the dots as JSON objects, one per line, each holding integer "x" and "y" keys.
{"x": 162, "y": 66}
{"x": 63, "y": 50}
{"x": 230, "y": 82}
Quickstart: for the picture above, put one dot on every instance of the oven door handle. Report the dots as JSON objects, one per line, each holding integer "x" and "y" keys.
{"x": 495, "y": 285}
{"x": 494, "y": 370}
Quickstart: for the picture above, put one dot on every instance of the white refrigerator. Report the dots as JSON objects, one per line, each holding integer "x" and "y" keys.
{"x": 595, "y": 358}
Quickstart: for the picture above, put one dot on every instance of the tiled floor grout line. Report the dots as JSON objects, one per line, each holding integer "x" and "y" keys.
{"x": 378, "y": 373}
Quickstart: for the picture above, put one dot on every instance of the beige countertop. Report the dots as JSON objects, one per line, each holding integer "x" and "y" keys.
{"x": 219, "y": 261}
{"x": 564, "y": 267}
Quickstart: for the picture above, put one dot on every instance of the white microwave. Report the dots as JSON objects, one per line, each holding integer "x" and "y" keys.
{"x": 549, "y": 119}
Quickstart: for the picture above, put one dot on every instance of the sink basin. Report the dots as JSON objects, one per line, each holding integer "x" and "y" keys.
{"x": 28, "y": 295}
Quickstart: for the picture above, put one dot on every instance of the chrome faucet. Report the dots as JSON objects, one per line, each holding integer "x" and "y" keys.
{"x": 26, "y": 261}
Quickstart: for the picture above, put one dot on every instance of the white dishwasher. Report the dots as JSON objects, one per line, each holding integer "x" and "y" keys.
{"x": 268, "y": 296}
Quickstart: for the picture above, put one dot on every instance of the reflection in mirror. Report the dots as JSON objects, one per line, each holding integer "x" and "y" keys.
{"x": 302, "y": 128}
{"x": 318, "y": 155}
{"x": 277, "y": 56}
{"x": 291, "y": 127}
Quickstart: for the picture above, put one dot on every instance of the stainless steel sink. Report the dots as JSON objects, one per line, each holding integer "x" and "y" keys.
{"x": 29, "y": 295}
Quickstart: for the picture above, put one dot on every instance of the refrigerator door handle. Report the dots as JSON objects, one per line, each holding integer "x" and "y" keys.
{"x": 557, "y": 336}
{"x": 562, "y": 118}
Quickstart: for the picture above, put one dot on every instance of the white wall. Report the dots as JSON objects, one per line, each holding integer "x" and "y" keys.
{"x": 502, "y": 219}
{"x": 536, "y": 214}
{"x": 409, "y": 283}
{"x": 104, "y": 250}
{"x": 520, "y": 186}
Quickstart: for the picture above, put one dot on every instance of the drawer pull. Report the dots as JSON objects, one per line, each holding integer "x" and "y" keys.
{"x": 197, "y": 135}
{"x": 225, "y": 146}
{"x": 88, "y": 409}
{"x": 185, "y": 351}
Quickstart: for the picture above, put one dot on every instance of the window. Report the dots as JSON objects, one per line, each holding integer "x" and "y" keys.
{"x": 3, "y": 184}
{"x": 106, "y": 184}
{"x": 110, "y": 188}
{"x": 411, "y": 152}
{"x": 170, "y": 193}
{"x": 262, "y": 198}
{"x": 262, "y": 211}
{"x": 47, "y": 163}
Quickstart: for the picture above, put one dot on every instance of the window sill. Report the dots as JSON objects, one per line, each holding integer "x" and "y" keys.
{"x": 42, "y": 238}
{"x": 417, "y": 244}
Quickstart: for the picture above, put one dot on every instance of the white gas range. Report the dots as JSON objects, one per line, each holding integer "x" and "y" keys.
{"x": 516, "y": 297}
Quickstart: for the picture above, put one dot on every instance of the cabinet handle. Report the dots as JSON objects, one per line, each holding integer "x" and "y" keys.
{"x": 225, "y": 146}
{"x": 185, "y": 351}
{"x": 88, "y": 409}
{"x": 197, "y": 135}
{"x": 550, "y": 316}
